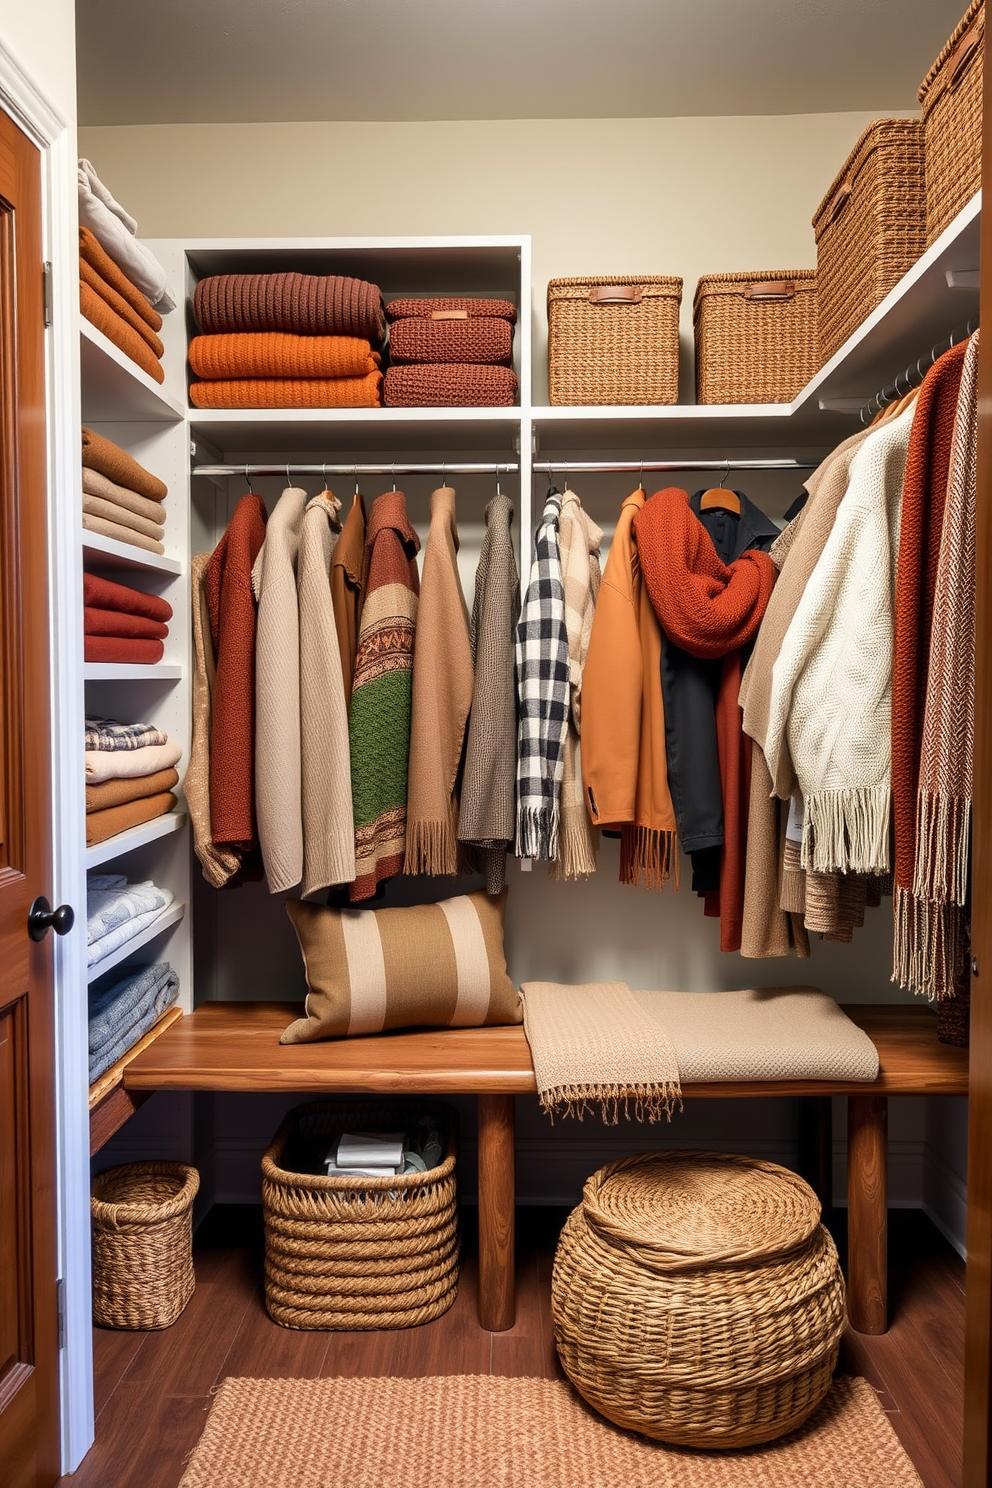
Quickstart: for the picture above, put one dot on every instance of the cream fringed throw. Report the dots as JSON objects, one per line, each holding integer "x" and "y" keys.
{"x": 579, "y": 539}
{"x": 594, "y": 1046}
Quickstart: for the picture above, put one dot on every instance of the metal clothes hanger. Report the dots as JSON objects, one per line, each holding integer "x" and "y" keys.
{"x": 719, "y": 499}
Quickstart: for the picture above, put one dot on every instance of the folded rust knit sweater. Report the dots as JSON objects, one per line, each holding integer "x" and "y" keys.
{"x": 119, "y": 305}
{"x": 122, "y": 649}
{"x": 118, "y": 623}
{"x": 288, "y": 392}
{"x": 101, "y": 825}
{"x": 93, "y": 253}
{"x": 127, "y": 340}
{"x": 480, "y": 340}
{"x": 447, "y": 386}
{"x": 100, "y": 453}
{"x": 279, "y": 354}
{"x": 104, "y": 594}
{"x": 119, "y": 791}
{"x": 307, "y": 304}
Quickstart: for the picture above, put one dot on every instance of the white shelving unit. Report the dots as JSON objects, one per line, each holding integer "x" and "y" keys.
{"x": 165, "y": 921}
{"x": 127, "y": 842}
{"x": 108, "y": 553}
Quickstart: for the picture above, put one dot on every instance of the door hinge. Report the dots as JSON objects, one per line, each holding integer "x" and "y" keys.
{"x": 46, "y": 281}
{"x": 60, "y": 1309}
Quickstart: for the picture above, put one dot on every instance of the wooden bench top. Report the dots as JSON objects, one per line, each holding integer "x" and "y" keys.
{"x": 235, "y": 1046}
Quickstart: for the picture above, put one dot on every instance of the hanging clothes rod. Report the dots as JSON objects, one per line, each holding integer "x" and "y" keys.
{"x": 914, "y": 374}
{"x": 635, "y": 467}
{"x": 448, "y": 468}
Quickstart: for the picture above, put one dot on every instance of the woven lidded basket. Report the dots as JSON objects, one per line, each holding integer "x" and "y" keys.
{"x": 951, "y": 103}
{"x": 614, "y": 340}
{"x": 697, "y": 1298}
{"x": 142, "y": 1217}
{"x": 870, "y": 227}
{"x": 357, "y": 1253}
{"x": 757, "y": 339}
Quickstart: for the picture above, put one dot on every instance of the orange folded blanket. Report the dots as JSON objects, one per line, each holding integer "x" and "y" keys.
{"x": 288, "y": 392}
{"x": 100, "y": 825}
{"x": 121, "y": 649}
{"x": 119, "y": 623}
{"x": 120, "y": 306}
{"x": 118, "y": 792}
{"x": 99, "y": 313}
{"x": 101, "y": 453}
{"x": 91, "y": 250}
{"x": 279, "y": 354}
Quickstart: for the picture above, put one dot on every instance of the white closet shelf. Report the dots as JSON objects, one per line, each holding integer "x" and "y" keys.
{"x": 238, "y": 430}
{"x": 110, "y": 671}
{"x": 135, "y": 837}
{"x": 107, "y": 552}
{"x": 114, "y": 387}
{"x": 165, "y": 921}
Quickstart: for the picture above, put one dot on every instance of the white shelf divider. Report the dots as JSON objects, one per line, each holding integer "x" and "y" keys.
{"x": 135, "y": 837}
{"x": 114, "y": 387}
{"x": 169, "y": 917}
{"x": 110, "y": 671}
{"x": 107, "y": 552}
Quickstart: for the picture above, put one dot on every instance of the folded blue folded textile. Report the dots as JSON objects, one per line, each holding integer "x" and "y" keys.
{"x": 107, "y": 733}
{"x": 111, "y": 942}
{"x": 109, "y": 1053}
{"x": 117, "y": 998}
{"x": 111, "y": 902}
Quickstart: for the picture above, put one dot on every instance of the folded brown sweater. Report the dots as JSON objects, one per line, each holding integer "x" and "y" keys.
{"x": 95, "y": 484}
{"x": 122, "y": 649}
{"x": 121, "y": 534}
{"x": 119, "y": 305}
{"x": 92, "y": 251}
{"x": 100, "y": 453}
{"x": 447, "y": 386}
{"x": 307, "y": 304}
{"x": 288, "y": 392}
{"x": 119, "y": 623}
{"x": 278, "y": 354}
{"x": 104, "y": 594}
{"x": 118, "y": 792}
{"x": 95, "y": 506}
{"x": 478, "y": 340}
{"x": 99, "y": 314}
{"x": 100, "y": 825}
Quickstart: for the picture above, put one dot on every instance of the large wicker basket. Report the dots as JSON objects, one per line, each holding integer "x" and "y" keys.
{"x": 614, "y": 340}
{"x": 870, "y": 227}
{"x": 951, "y": 103}
{"x": 697, "y": 1298}
{"x": 357, "y": 1253}
{"x": 142, "y": 1217}
{"x": 756, "y": 336}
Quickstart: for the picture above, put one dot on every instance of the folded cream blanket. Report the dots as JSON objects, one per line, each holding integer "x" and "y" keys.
{"x": 129, "y": 764}
{"x": 115, "y": 230}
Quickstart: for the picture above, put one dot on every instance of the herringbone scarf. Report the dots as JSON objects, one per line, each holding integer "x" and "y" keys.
{"x": 542, "y": 693}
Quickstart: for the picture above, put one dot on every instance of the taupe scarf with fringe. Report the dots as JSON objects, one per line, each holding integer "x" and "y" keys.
{"x": 579, "y": 538}
{"x": 593, "y": 1046}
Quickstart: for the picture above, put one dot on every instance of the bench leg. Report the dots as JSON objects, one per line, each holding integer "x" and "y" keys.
{"x": 867, "y": 1212}
{"x": 497, "y": 1199}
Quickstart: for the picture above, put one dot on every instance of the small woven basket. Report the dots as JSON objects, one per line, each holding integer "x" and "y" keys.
{"x": 357, "y": 1253}
{"x": 142, "y": 1217}
{"x": 756, "y": 336}
{"x": 614, "y": 340}
{"x": 697, "y": 1298}
{"x": 870, "y": 227}
{"x": 951, "y": 104}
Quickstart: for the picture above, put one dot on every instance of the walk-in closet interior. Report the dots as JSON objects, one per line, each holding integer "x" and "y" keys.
{"x": 518, "y": 522}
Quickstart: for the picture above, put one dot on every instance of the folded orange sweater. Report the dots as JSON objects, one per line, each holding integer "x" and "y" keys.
{"x": 280, "y": 354}
{"x": 102, "y": 454}
{"x": 119, "y": 305}
{"x": 99, "y": 313}
{"x": 101, "y": 825}
{"x": 91, "y": 250}
{"x": 123, "y": 789}
{"x": 288, "y": 392}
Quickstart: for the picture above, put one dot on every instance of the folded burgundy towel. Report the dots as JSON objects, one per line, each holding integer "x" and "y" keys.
{"x": 447, "y": 386}
{"x": 104, "y": 594}
{"x": 308, "y": 304}
{"x": 122, "y": 649}
{"x": 120, "y": 623}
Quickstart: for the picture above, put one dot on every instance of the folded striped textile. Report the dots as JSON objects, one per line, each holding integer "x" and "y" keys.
{"x": 95, "y": 484}
{"x": 448, "y": 385}
{"x": 102, "y": 454}
{"x": 480, "y": 341}
{"x": 107, "y": 733}
{"x": 304, "y": 304}
{"x": 105, "y": 594}
{"x": 116, "y": 231}
{"x": 118, "y": 623}
{"x": 96, "y": 506}
{"x": 280, "y": 354}
{"x": 92, "y": 253}
{"x": 288, "y": 392}
{"x": 99, "y": 314}
{"x": 112, "y": 820}
{"x": 120, "y": 791}
{"x": 119, "y": 305}
{"x": 119, "y": 1024}
{"x": 130, "y": 764}
{"x": 122, "y": 649}
{"x": 120, "y": 533}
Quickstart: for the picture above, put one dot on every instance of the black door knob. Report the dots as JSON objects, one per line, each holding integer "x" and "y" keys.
{"x": 42, "y": 918}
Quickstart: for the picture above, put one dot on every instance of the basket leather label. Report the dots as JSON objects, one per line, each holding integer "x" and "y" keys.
{"x": 616, "y": 294}
{"x": 771, "y": 289}
{"x": 449, "y": 315}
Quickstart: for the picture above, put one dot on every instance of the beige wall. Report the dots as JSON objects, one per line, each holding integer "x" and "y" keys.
{"x": 43, "y": 39}
{"x": 685, "y": 196}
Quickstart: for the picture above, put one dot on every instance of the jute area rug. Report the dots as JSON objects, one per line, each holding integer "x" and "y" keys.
{"x": 479, "y": 1431}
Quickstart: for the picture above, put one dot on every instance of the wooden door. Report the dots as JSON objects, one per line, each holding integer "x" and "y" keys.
{"x": 29, "y": 1420}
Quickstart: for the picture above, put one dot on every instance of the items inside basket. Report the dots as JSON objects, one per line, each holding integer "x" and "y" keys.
{"x": 367, "y": 1154}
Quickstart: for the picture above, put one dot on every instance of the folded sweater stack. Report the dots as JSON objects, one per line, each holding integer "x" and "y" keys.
{"x": 117, "y": 912}
{"x": 121, "y": 624}
{"x": 286, "y": 341}
{"x": 121, "y": 499}
{"x": 450, "y": 353}
{"x": 130, "y": 776}
{"x": 122, "y": 1007}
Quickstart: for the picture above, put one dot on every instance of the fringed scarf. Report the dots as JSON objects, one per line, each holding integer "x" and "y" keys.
{"x": 542, "y": 693}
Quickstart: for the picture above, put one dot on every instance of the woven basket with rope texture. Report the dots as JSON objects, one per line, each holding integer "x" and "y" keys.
{"x": 756, "y": 336}
{"x": 357, "y": 1253}
{"x": 870, "y": 227}
{"x": 614, "y": 340}
{"x": 142, "y": 1217}
{"x": 951, "y": 104}
{"x": 697, "y": 1298}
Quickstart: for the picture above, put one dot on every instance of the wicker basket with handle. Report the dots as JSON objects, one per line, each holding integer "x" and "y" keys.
{"x": 614, "y": 340}
{"x": 756, "y": 336}
{"x": 697, "y": 1298}
{"x": 142, "y": 1216}
{"x": 357, "y": 1253}
{"x": 951, "y": 103}
{"x": 870, "y": 227}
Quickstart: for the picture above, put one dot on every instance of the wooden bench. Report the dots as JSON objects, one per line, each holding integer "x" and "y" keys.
{"x": 227, "y": 1046}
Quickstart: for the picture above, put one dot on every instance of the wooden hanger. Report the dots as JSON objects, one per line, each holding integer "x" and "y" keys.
{"x": 718, "y": 499}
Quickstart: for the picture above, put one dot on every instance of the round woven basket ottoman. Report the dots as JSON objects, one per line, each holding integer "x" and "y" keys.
{"x": 698, "y": 1299}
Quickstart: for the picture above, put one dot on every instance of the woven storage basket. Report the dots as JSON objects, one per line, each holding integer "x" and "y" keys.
{"x": 951, "y": 103}
{"x": 756, "y": 336}
{"x": 357, "y": 1253}
{"x": 870, "y": 227}
{"x": 142, "y": 1217}
{"x": 614, "y": 340}
{"x": 697, "y": 1298}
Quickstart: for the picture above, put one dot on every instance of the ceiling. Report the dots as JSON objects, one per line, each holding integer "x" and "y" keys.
{"x": 262, "y": 61}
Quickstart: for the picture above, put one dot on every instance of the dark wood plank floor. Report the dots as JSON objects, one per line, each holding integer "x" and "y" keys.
{"x": 153, "y": 1389}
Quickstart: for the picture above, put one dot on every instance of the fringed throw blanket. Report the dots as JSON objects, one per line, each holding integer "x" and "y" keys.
{"x": 593, "y": 1046}
{"x": 542, "y": 691}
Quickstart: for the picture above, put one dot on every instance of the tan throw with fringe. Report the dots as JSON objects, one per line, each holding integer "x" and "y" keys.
{"x": 594, "y": 1046}
{"x": 579, "y": 539}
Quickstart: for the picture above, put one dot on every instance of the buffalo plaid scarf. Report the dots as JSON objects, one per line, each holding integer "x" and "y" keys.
{"x": 106, "y": 733}
{"x": 542, "y": 692}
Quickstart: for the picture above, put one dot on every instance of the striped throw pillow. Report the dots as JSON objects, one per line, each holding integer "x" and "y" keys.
{"x": 435, "y": 965}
